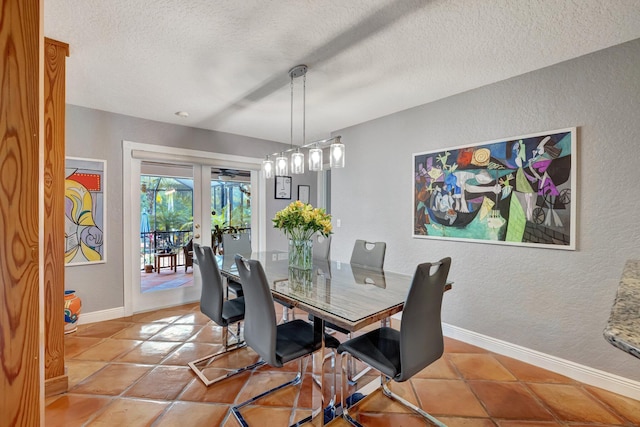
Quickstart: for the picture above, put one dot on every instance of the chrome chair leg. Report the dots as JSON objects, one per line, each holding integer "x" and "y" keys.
{"x": 387, "y": 392}
{"x": 331, "y": 357}
{"x": 384, "y": 383}
{"x": 344, "y": 363}
{"x": 295, "y": 381}
{"x": 285, "y": 315}
{"x": 227, "y": 348}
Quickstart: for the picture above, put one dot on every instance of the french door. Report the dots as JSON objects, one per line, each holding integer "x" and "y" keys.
{"x": 186, "y": 169}
{"x": 167, "y": 223}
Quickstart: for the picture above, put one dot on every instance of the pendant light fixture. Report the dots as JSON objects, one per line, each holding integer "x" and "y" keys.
{"x": 267, "y": 167}
{"x": 297, "y": 163}
{"x": 282, "y": 166}
{"x": 336, "y": 154}
{"x": 315, "y": 158}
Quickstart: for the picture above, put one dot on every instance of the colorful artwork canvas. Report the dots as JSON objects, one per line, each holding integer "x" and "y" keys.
{"x": 516, "y": 191}
{"x": 85, "y": 211}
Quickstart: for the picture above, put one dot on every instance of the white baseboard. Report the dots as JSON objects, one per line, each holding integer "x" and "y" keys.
{"x": 101, "y": 316}
{"x": 584, "y": 374}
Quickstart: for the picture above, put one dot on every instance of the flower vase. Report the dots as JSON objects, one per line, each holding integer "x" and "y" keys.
{"x": 72, "y": 306}
{"x": 301, "y": 281}
{"x": 301, "y": 254}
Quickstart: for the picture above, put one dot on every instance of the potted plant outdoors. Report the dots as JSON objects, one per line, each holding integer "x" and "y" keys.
{"x": 299, "y": 221}
{"x": 148, "y": 267}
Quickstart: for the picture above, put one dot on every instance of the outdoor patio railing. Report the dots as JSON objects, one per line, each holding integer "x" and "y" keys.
{"x": 156, "y": 241}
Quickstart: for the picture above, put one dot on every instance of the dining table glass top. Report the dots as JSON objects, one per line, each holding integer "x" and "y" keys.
{"x": 346, "y": 295}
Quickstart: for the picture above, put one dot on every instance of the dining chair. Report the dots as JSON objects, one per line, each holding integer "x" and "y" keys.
{"x": 321, "y": 252}
{"x": 223, "y": 313}
{"x": 400, "y": 354}
{"x": 232, "y": 244}
{"x": 368, "y": 254}
{"x": 321, "y": 246}
{"x": 276, "y": 344}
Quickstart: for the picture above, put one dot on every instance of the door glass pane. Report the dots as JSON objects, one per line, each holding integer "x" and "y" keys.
{"x": 230, "y": 204}
{"x": 166, "y": 227}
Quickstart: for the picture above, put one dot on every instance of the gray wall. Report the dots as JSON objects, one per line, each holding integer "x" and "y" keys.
{"x": 553, "y": 301}
{"x": 99, "y": 134}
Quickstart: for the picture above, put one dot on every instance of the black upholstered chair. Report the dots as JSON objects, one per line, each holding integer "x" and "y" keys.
{"x": 368, "y": 254}
{"x": 400, "y": 354}
{"x": 276, "y": 344}
{"x": 232, "y": 244}
{"x": 223, "y": 313}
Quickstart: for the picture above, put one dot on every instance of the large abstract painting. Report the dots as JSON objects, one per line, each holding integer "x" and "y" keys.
{"x": 516, "y": 191}
{"x": 85, "y": 211}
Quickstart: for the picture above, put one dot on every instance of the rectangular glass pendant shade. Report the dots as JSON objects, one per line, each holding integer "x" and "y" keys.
{"x": 267, "y": 168}
{"x": 297, "y": 163}
{"x": 336, "y": 155}
{"x": 315, "y": 159}
{"x": 282, "y": 166}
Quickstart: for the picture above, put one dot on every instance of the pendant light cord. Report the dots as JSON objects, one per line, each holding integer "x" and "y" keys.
{"x": 291, "y": 137}
{"x": 304, "y": 107}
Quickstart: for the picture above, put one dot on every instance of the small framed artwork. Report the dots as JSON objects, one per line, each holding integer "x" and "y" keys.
{"x": 283, "y": 187}
{"x": 303, "y": 193}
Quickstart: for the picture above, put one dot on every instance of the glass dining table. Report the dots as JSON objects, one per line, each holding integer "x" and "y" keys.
{"x": 345, "y": 295}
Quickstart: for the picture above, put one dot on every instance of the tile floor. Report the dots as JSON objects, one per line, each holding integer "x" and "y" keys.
{"x": 133, "y": 372}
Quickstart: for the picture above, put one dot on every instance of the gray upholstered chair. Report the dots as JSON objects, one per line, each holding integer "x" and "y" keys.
{"x": 398, "y": 355}
{"x": 321, "y": 246}
{"x": 368, "y": 254}
{"x": 365, "y": 256}
{"x": 276, "y": 344}
{"x": 223, "y": 313}
{"x": 232, "y": 244}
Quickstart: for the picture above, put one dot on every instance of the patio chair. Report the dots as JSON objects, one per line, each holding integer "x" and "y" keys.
{"x": 188, "y": 255}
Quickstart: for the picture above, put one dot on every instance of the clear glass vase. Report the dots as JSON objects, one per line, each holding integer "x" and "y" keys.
{"x": 301, "y": 281}
{"x": 301, "y": 254}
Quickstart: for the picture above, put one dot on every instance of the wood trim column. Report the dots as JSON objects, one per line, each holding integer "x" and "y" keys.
{"x": 55, "y": 53}
{"x": 20, "y": 136}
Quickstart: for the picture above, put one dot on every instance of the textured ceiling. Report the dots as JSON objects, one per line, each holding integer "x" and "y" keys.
{"x": 226, "y": 62}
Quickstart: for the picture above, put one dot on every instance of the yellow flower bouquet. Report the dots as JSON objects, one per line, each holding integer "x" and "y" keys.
{"x": 299, "y": 221}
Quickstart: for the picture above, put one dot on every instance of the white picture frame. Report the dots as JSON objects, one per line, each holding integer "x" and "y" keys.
{"x": 303, "y": 193}
{"x": 518, "y": 191}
